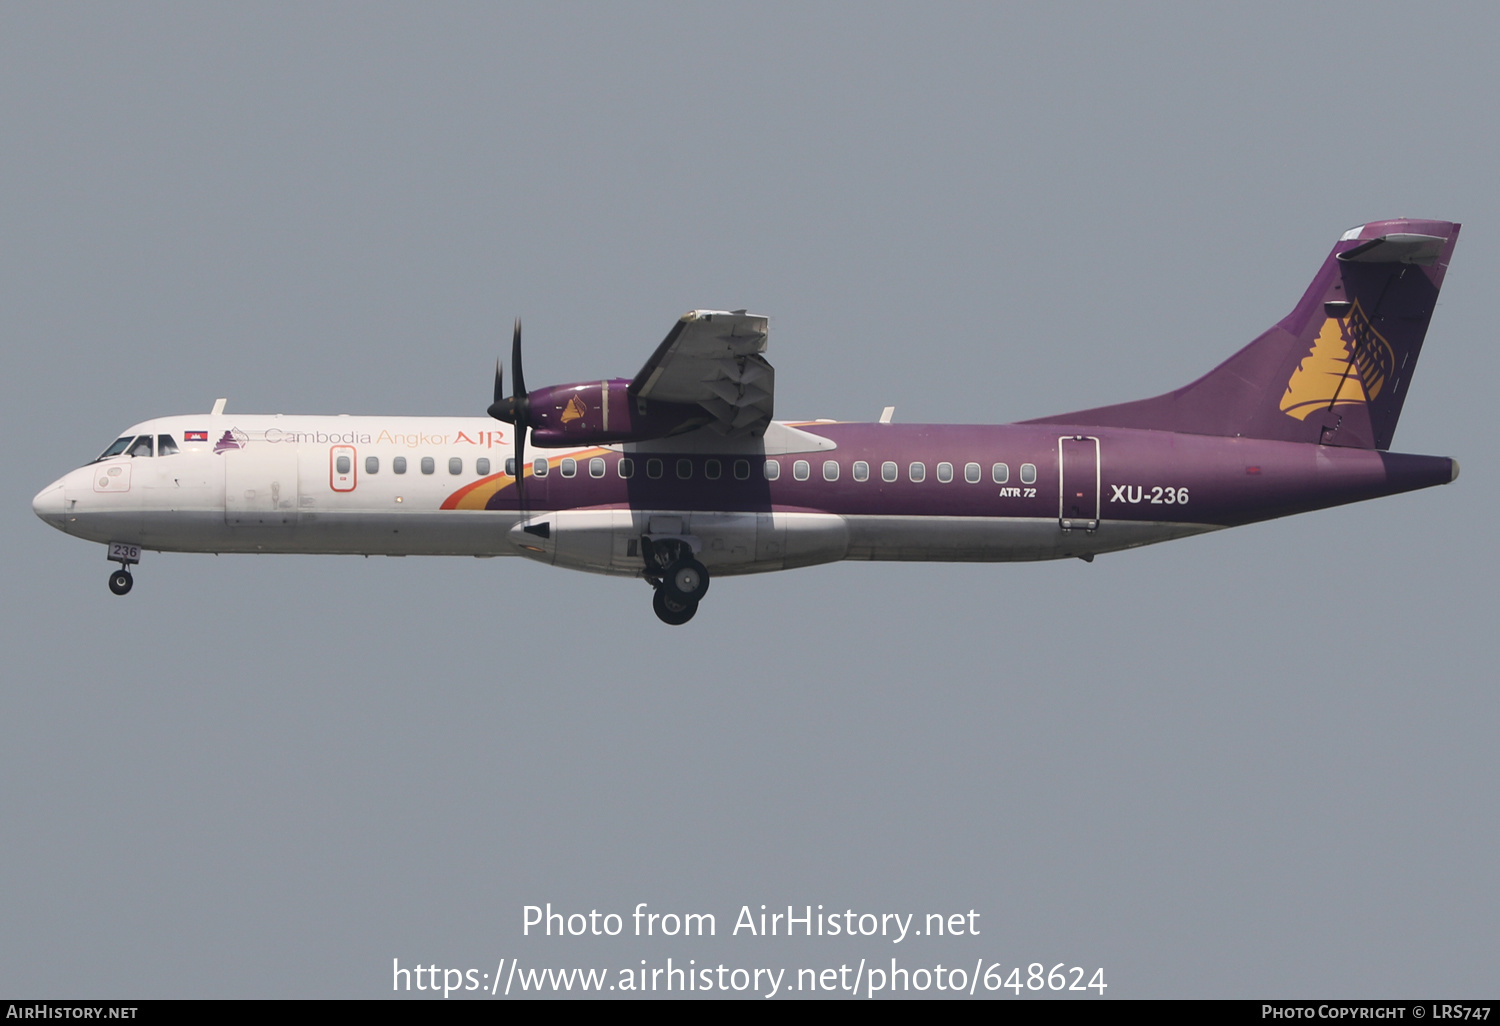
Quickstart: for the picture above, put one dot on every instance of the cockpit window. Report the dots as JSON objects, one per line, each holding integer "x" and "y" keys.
{"x": 141, "y": 446}
{"x": 116, "y": 448}
{"x": 165, "y": 445}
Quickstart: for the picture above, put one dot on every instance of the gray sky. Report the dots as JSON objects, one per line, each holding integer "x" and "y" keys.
{"x": 1256, "y": 763}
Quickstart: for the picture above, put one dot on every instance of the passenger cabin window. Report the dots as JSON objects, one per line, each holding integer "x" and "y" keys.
{"x": 398, "y": 465}
{"x": 482, "y": 466}
{"x": 888, "y": 471}
{"x": 341, "y": 464}
{"x": 429, "y": 465}
{"x": 653, "y": 468}
{"x": 917, "y": 471}
{"x": 712, "y": 469}
{"x": 510, "y": 466}
{"x": 1028, "y": 473}
{"x": 568, "y": 467}
{"x": 945, "y": 472}
{"x": 596, "y": 467}
{"x": 830, "y": 470}
{"x": 372, "y": 464}
{"x": 1000, "y": 473}
{"x": 684, "y": 469}
{"x": 625, "y": 468}
{"x": 117, "y": 447}
{"x": 455, "y": 465}
{"x": 742, "y": 470}
{"x": 540, "y": 466}
{"x": 861, "y": 470}
{"x": 971, "y": 473}
{"x": 166, "y": 446}
{"x": 142, "y": 446}
{"x": 772, "y": 469}
{"x": 801, "y": 470}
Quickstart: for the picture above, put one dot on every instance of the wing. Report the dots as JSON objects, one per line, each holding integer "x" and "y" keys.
{"x": 713, "y": 358}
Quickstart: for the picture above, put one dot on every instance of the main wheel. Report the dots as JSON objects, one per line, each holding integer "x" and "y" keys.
{"x": 686, "y": 581}
{"x": 120, "y": 581}
{"x": 669, "y": 610}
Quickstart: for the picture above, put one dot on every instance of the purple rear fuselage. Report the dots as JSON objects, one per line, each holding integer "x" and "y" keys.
{"x": 1213, "y": 481}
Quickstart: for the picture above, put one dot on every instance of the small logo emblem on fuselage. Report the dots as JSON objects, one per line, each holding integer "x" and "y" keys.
{"x": 233, "y": 439}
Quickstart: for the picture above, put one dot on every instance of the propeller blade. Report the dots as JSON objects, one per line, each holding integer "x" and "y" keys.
{"x": 519, "y": 410}
{"x": 502, "y": 408}
{"x": 514, "y": 409}
{"x": 510, "y": 409}
{"x": 515, "y": 361}
{"x": 521, "y": 464}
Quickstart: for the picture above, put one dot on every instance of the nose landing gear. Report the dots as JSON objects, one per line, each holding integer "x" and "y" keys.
{"x": 679, "y": 579}
{"x": 120, "y": 581}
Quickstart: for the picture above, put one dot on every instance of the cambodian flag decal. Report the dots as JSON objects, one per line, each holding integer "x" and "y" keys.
{"x": 196, "y": 436}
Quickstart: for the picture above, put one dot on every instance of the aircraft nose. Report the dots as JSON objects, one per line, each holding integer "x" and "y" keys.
{"x": 49, "y": 504}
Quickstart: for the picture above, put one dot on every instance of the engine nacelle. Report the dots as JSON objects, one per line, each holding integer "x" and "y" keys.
{"x": 601, "y": 412}
{"x": 609, "y": 541}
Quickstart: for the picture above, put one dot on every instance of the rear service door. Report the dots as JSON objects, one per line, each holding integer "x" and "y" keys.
{"x": 1078, "y": 476}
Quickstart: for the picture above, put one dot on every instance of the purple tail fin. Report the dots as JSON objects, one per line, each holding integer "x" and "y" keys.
{"x": 1336, "y": 369}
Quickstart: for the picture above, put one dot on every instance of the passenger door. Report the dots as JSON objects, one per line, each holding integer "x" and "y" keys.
{"x": 1078, "y": 477}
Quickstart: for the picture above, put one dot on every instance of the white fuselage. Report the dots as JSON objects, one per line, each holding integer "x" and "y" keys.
{"x": 272, "y": 486}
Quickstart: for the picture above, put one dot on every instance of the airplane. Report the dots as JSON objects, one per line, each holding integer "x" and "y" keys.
{"x": 681, "y": 475}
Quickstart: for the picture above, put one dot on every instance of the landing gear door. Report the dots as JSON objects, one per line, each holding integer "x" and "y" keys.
{"x": 260, "y": 486}
{"x": 1078, "y": 482}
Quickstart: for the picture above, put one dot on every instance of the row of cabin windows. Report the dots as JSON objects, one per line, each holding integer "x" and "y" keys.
{"x": 915, "y": 472}
{"x": 428, "y": 465}
{"x": 655, "y": 468}
{"x": 567, "y": 466}
{"x": 712, "y": 469}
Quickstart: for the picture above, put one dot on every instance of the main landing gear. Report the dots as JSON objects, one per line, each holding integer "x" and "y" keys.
{"x": 671, "y": 611}
{"x": 679, "y": 579}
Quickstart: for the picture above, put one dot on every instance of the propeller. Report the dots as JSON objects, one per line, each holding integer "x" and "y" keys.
{"x": 515, "y": 409}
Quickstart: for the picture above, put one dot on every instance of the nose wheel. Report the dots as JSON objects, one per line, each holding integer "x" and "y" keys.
{"x": 120, "y": 581}
{"x": 125, "y": 554}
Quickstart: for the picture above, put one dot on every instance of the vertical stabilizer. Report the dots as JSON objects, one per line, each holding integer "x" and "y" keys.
{"x": 1336, "y": 369}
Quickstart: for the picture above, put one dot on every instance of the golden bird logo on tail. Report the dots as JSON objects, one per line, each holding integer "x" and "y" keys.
{"x": 1348, "y": 363}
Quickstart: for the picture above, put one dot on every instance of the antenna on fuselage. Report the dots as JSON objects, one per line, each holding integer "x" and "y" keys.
{"x": 218, "y": 407}
{"x": 886, "y": 414}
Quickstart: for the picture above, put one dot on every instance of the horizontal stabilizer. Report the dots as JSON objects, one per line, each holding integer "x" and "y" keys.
{"x": 1397, "y": 249}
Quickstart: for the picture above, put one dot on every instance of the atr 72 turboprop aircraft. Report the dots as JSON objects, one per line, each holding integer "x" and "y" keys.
{"x": 680, "y": 472}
